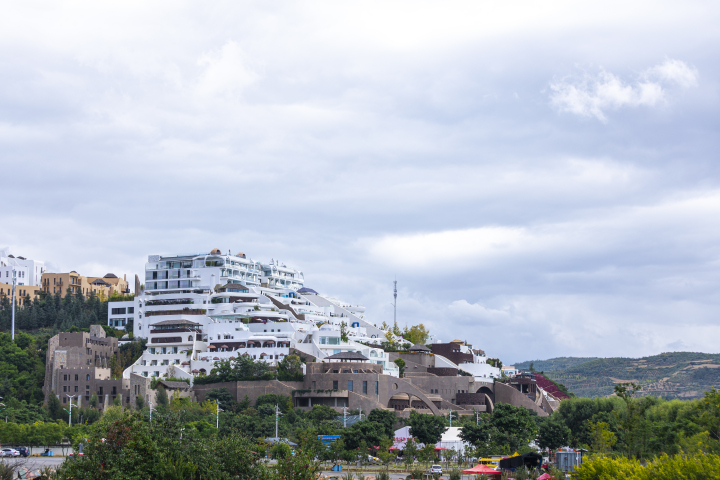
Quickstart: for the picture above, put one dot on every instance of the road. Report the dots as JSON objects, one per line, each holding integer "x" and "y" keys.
{"x": 35, "y": 463}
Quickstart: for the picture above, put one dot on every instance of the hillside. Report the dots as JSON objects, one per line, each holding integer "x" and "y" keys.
{"x": 683, "y": 375}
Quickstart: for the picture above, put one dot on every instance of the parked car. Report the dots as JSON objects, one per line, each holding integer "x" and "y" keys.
{"x": 436, "y": 470}
{"x": 24, "y": 451}
{"x": 9, "y": 452}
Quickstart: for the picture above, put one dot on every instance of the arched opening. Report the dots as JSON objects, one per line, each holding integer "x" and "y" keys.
{"x": 189, "y": 338}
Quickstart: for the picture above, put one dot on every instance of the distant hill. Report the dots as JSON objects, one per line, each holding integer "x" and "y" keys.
{"x": 684, "y": 375}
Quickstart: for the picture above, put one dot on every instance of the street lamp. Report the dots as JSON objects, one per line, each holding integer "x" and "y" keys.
{"x": 14, "y": 282}
{"x": 151, "y": 410}
{"x": 71, "y": 405}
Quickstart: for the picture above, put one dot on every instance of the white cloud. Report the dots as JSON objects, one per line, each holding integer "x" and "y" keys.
{"x": 225, "y": 71}
{"x": 593, "y": 95}
{"x": 676, "y": 71}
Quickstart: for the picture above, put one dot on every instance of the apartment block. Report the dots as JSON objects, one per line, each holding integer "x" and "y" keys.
{"x": 61, "y": 282}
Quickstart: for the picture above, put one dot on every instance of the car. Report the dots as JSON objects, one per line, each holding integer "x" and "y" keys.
{"x": 24, "y": 451}
{"x": 9, "y": 452}
{"x": 436, "y": 470}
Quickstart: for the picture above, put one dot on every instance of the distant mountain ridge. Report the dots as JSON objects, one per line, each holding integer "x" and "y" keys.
{"x": 684, "y": 375}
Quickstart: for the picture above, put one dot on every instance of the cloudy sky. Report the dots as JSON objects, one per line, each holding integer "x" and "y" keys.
{"x": 541, "y": 177}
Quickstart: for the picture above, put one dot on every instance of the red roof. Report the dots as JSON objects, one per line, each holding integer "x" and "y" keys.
{"x": 549, "y": 387}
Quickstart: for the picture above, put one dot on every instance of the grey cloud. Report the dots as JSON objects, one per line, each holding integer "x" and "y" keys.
{"x": 361, "y": 143}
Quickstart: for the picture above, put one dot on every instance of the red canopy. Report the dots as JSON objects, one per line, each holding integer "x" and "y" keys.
{"x": 482, "y": 470}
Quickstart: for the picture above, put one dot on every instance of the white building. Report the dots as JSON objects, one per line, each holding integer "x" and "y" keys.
{"x": 29, "y": 272}
{"x": 198, "y": 309}
{"x": 450, "y": 439}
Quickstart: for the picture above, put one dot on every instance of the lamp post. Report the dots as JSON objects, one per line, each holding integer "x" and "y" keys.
{"x": 344, "y": 417}
{"x": 14, "y": 282}
{"x": 151, "y": 410}
{"x": 70, "y": 411}
{"x": 450, "y": 417}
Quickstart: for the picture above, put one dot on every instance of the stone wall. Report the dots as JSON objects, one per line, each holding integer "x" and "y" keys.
{"x": 507, "y": 394}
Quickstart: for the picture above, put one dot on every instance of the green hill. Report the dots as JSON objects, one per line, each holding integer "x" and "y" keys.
{"x": 683, "y": 375}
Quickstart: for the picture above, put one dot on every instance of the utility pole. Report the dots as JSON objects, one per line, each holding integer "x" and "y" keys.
{"x": 151, "y": 410}
{"x": 395, "y": 302}
{"x": 477, "y": 418}
{"x": 70, "y": 411}
{"x": 450, "y": 417}
{"x": 361, "y": 414}
{"x": 217, "y": 415}
{"x": 344, "y": 417}
{"x": 277, "y": 417}
{"x": 14, "y": 279}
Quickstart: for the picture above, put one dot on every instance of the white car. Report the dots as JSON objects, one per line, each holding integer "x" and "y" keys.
{"x": 436, "y": 470}
{"x": 9, "y": 452}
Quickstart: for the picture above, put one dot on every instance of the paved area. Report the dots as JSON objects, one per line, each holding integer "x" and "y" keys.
{"x": 35, "y": 462}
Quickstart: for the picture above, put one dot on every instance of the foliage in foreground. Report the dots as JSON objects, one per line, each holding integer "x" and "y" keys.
{"x": 700, "y": 466}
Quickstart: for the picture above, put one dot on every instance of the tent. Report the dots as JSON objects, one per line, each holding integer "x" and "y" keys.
{"x": 529, "y": 460}
{"x": 482, "y": 470}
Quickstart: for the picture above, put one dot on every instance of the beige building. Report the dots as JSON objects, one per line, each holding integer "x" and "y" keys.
{"x": 78, "y": 365}
{"x": 61, "y": 282}
{"x": 21, "y": 292}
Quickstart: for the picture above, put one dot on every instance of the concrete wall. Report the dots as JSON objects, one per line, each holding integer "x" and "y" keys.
{"x": 250, "y": 389}
{"x": 507, "y": 394}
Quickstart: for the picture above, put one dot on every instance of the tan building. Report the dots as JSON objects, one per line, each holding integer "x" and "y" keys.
{"x": 78, "y": 365}
{"x": 107, "y": 285}
{"x": 21, "y": 292}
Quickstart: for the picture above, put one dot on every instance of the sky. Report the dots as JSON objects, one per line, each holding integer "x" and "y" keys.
{"x": 541, "y": 178}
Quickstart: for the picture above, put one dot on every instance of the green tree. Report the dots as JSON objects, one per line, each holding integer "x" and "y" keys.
{"x": 139, "y": 402}
{"x": 94, "y": 400}
{"x": 54, "y": 407}
{"x": 290, "y": 369}
{"x": 401, "y": 365}
{"x": 427, "y": 429}
{"x": 417, "y": 334}
{"x": 344, "y": 332}
{"x": 553, "y": 434}
{"x": 603, "y": 439}
{"x": 386, "y": 418}
{"x": 161, "y": 397}
{"x": 410, "y": 452}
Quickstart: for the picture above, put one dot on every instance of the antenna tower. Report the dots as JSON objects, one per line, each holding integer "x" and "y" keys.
{"x": 395, "y": 302}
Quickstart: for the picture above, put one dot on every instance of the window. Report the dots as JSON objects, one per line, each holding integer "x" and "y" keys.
{"x": 118, "y": 311}
{"x": 313, "y": 385}
{"x": 364, "y": 390}
{"x": 65, "y": 378}
{"x": 175, "y": 349}
{"x": 131, "y": 310}
{"x": 152, "y": 350}
{"x": 87, "y": 387}
{"x": 64, "y": 399}
{"x": 76, "y": 388}
{"x": 335, "y": 384}
{"x": 164, "y": 350}
{"x": 87, "y": 377}
{"x": 145, "y": 374}
{"x": 76, "y": 378}
{"x": 350, "y": 385}
{"x": 156, "y": 374}
{"x": 64, "y": 388}
{"x": 376, "y": 388}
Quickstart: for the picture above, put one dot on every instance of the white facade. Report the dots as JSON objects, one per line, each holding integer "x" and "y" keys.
{"x": 450, "y": 439}
{"x": 121, "y": 314}
{"x": 29, "y": 272}
{"x": 198, "y": 309}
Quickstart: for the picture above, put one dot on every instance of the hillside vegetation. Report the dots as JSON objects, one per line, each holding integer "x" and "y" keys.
{"x": 684, "y": 375}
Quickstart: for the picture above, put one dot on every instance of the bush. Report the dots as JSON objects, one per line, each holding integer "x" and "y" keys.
{"x": 455, "y": 474}
{"x": 700, "y": 466}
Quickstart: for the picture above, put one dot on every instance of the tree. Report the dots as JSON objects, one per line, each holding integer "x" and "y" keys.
{"x": 117, "y": 401}
{"x": 410, "y": 451}
{"x": 401, "y": 365}
{"x": 384, "y": 453}
{"x": 603, "y": 439}
{"x": 386, "y": 418}
{"x": 417, "y": 334}
{"x": 139, "y": 402}
{"x": 553, "y": 434}
{"x": 94, "y": 400}
{"x": 514, "y": 426}
{"x": 161, "y": 397}
{"x": 321, "y": 412}
{"x": 290, "y": 369}
{"x": 427, "y": 429}
{"x": 344, "y": 332}
{"x": 427, "y": 453}
{"x": 54, "y": 407}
